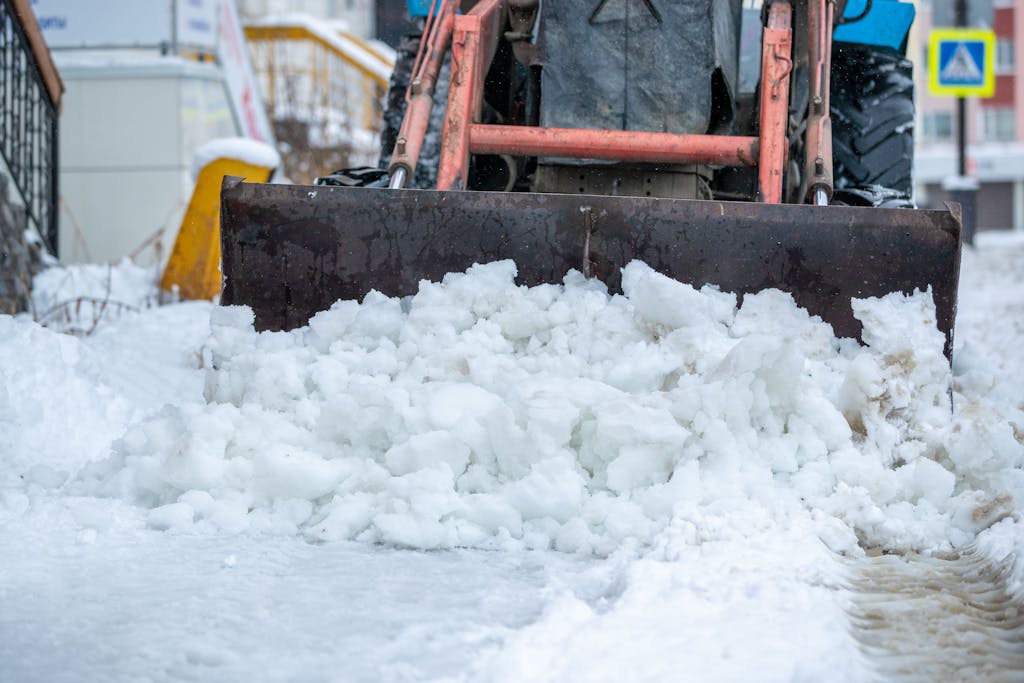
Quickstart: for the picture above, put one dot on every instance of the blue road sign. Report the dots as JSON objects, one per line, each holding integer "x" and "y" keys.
{"x": 962, "y": 62}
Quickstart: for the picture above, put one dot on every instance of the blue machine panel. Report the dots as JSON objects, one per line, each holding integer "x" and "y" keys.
{"x": 419, "y": 8}
{"x": 886, "y": 25}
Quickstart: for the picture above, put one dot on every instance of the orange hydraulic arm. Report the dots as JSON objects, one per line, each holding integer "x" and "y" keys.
{"x": 437, "y": 35}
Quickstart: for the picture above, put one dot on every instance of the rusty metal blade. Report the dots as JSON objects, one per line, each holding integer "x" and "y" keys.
{"x": 290, "y": 251}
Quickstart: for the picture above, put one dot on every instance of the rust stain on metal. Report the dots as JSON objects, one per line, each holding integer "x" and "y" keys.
{"x": 289, "y": 256}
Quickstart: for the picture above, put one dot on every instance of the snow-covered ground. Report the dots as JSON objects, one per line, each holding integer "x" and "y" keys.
{"x": 492, "y": 483}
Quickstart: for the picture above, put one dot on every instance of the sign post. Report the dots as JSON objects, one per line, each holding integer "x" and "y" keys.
{"x": 961, "y": 63}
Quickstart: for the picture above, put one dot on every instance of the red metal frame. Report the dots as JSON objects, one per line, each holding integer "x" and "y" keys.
{"x": 776, "y": 68}
{"x": 616, "y": 145}
{"x": 818, "y": 163}
{"x": 473, "y": 47}
{"x": 420, "y": 95}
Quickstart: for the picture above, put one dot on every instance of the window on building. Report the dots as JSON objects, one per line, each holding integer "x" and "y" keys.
{"x": 998, "y": 123}
{"x": 937, "y": 126}
{"x": 1004, "y": 55}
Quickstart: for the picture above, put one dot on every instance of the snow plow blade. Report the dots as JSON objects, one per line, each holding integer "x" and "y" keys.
{"x": 290, "y": 251}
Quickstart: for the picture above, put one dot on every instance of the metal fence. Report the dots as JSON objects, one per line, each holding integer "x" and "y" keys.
{"x": 28, "y": 122}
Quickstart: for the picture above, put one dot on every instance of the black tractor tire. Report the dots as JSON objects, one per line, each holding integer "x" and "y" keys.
{"x": 430, "y": 154}
{"x": 872, "y": 110}
{"x": 794, "y": 189}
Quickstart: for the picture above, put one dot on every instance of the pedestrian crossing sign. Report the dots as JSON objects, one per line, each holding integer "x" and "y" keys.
{"x": 961, "y": 62}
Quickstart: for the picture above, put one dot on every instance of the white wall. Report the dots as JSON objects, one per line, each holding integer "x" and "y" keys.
{"x": 128, "y": 130}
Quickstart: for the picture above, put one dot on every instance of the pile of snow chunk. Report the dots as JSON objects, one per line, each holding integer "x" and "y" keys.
{"x": 481, "y": 413}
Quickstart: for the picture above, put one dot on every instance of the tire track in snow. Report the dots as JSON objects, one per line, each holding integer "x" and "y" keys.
{"x": 937, "y": 620}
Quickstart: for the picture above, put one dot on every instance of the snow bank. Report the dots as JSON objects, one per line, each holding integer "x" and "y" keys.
{"x": 66, "y": 398}
{"x": 480, "y": 413}
{"x": 122, "y": 286}
{"x": 51, "y": 413}
{"x": 990, "y": 312}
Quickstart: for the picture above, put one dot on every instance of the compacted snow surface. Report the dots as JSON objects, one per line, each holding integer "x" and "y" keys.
{"x": 492, "y": 482}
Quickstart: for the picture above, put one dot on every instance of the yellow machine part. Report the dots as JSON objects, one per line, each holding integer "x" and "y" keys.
{"x": 194, "y": 266}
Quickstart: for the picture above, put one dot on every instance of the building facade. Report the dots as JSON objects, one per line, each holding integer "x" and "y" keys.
{"x": 995, "y": 125}
{"x": 359, "y": 15}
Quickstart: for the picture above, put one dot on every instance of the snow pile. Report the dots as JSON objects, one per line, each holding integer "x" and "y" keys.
{"x": 75, "y": 299}
{"x": 52, "y": 415}
{"x": 480, "y": 413}
{"x": 990, "y": 315}
{"x": 246, "y": 150}
{"x": 65, "y": 398}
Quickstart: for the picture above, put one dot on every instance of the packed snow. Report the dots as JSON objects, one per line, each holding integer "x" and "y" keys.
{"x": 491, "y": 482}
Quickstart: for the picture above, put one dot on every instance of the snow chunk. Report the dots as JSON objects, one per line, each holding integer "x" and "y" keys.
{"x": 663, "y": 301}
{"x": 171, "y": 516}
